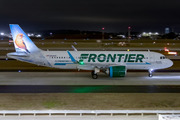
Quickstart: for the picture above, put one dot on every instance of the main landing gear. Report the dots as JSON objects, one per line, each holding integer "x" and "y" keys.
{"x": 94, "y": 75}
{"x": 150, "y": 73}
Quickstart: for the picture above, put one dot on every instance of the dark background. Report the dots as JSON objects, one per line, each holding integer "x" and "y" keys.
{"x": 92, "y": 15}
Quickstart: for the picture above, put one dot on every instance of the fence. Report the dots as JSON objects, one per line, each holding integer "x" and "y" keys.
{"x": 87, "y": 112}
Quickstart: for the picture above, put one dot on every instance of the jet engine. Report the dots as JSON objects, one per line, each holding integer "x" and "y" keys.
{"x": 116, "y": 71}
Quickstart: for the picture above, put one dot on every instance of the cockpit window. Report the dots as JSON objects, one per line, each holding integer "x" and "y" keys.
{"x": 162, "y": 57}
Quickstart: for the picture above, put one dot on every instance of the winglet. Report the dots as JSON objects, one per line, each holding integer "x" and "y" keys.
{"x": 72, "y": 58}
{"x": 74, "y": 48}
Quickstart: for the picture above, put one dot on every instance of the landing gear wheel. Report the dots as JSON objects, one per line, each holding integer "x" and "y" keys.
{"x": 150, "y": 75}
{"x": 94, "y": 76}
{"x": 92, "y": 73}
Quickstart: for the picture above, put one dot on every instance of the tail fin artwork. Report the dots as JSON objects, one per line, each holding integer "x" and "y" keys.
{"x": 22, "y": 42}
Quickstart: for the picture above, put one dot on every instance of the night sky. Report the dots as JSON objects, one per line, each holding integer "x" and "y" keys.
{"x": 114, "y": 15}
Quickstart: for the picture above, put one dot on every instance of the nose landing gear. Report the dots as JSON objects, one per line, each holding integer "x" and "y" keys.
{"x": 150, "y": 72}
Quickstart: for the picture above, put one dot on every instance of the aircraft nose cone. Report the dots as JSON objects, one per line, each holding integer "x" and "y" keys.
{"x": 170, "y": 63}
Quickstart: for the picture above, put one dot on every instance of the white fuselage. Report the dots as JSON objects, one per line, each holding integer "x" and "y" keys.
{"x": 151, "y": 60}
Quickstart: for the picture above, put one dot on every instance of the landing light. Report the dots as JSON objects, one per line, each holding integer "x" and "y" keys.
{"x": 151, "y": 69}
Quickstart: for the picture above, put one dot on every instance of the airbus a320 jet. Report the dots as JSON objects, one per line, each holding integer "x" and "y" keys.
{"x": 112, "y": 63}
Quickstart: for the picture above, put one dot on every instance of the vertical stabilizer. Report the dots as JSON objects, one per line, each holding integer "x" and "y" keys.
{"x": 22, "y": 42}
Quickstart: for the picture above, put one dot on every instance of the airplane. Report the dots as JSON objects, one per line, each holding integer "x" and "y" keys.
{"x": 112, "y": 63}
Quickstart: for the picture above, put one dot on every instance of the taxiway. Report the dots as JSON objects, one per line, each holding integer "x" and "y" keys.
{"x": 84, "y": 78}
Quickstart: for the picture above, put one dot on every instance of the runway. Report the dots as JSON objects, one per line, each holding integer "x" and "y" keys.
{"x": 84, "y": 78}
{"x": 81, "y": 82}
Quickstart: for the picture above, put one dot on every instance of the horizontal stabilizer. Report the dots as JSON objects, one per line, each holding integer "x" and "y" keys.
{"x": 18, "y": 54}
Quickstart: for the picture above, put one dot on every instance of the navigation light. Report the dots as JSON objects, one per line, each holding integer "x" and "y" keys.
{"x": 81, "y": 62}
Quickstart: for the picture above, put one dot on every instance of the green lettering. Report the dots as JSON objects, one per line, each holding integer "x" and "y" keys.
{"x": 99, "y": 57}
{"x": 92, "y": 57}
{"x": 125, "y": 57}
{"x": 84, "y": 56}
{"x": 139, "y": 57}
{"x": 131, "y": 57}
{"x": 120, "y": 56}
{"x": 112, "y": 57}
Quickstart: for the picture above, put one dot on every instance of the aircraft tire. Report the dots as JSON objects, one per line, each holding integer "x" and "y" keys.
{"x": 94, "y": 76}
{"x": 150, "y": 75}
{"x": 92, "y": 72}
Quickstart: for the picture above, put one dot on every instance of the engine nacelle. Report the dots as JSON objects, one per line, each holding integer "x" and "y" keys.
{"x": 116, "y": 71}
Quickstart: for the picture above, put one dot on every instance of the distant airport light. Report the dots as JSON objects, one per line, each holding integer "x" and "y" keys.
{"x": 98, "y": 41}
{"x": 29, "y": 34}
{"x": 103, "y": 28}
{"x": 144, "y": 32}
{"x": 165, "y": 49}
{"x": 19, "y": 70}
{"x": 129, "y": 27}
{"x": 150, "y": 33}
{"x": 172, "y": 53}
{"x": 10, "y": 41}
{"x": 2, "y": 33}
{"x": 38, "y": 35}
{"x": 127, "y": 49}
{"x": 156, "y": 33}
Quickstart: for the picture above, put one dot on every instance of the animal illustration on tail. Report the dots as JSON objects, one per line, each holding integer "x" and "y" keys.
{"x": 20, "y": 42}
